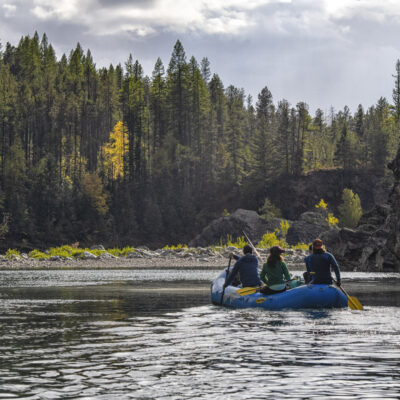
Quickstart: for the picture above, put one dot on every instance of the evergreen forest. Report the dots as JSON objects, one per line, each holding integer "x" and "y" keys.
{"x": 112, "y": 156}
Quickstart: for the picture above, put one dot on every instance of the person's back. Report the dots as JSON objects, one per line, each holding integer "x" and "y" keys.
{"x": 275, "y": 275}
{"x": 274, "y": 272}
{"x": 320, "y": 264}
{"x": 247, "y": 268}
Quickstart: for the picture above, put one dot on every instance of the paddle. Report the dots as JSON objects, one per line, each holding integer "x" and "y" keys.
{"x": 352, "y": 302}
{"x": 252, "y": 245}
{"x": 226, "y": 276}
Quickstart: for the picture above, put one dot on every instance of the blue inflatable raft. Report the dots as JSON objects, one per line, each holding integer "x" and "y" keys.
{"x": 305, "y": 296}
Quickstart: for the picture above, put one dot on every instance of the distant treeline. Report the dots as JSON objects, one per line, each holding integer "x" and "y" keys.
{"x": 110, "y": 155}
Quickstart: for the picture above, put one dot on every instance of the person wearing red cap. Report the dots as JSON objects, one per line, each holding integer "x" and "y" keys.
{"x": 274, "y": 272}
{"x": 319, "y": 265}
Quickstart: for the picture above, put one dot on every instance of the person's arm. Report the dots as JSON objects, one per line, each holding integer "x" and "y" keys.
{"x": 232, "y": 274}
{"x": 236, "y": 257}
{"x": 285, "y": 271}
{"x": 336, "y": 268}
{"x": 307, "y": 262}
{"x": 263, "y": 274}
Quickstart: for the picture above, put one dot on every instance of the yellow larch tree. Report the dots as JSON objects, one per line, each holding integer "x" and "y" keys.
{"x": 114, "y": 152}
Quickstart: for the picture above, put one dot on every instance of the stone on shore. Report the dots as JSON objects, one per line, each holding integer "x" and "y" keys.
{"x": 88, "y": 256}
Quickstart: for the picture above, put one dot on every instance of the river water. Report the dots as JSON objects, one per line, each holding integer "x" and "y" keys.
{"x": 106, "y": 334}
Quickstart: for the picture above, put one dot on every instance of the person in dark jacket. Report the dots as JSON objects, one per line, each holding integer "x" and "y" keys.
{"x": 247, "y": 268}
{"x": 319, "y": 265}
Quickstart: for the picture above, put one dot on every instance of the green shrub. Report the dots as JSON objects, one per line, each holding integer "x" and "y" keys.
{"x": 331, "y": 219}
{"x": 173, "y": 247}
{"x": 268, "y": 210}
{"x": 126, "y": 250}
{"x": 11, "y": 253}
{"x": 37, "y": 254}
{"x": 239, "y": 243}
{"x": 95, "y": 252}
{"x": 63, "y": 251}
{"x": 115, "y": 251}
{"x": 300, "y": 246}
{"x": 284, "y": 228}
{"x": 121, "y": 252}
{"x": 269, "y": 239}
{"x": 350, "y": 210}
{"x": 75, "y": 252}
{"x": 322, "y": 205}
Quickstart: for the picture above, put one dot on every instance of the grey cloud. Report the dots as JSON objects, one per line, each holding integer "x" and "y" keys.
{"x": 322, "y": 63}
{"x": 119, "y": 3}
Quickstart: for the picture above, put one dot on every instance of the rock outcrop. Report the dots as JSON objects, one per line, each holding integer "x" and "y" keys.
{"x": 309, "y": 226}
{"x": 232, "y": 225}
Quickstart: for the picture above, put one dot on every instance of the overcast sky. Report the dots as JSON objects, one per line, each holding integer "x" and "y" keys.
{"x": 324, "y": 52}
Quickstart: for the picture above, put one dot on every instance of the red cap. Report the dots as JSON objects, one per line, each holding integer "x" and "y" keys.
{"x": 276, "y": 249}
{"x": 317, "y": 244}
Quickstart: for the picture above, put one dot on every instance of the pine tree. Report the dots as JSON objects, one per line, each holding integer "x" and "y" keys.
{"x": 205, "y": 70}
{"x": 284, "y": 134}
{"x": 396, "y": 92}
{"x": 264, "y": 147}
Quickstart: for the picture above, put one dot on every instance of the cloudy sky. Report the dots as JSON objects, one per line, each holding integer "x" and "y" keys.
{"x": 324, "y": 52}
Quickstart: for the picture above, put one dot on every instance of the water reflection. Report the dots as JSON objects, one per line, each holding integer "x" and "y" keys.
{"x": 158, "y": 342}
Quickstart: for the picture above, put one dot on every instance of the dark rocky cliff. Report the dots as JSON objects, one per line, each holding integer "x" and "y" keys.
{"x": 296, "y": 195}
{"x": 375, "y": 244}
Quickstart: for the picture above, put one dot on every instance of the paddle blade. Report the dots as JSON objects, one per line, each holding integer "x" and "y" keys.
{"x": 246, "y": 291}
{"x": 354, "y": 303}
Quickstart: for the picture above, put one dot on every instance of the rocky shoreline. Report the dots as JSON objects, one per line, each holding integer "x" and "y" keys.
{"x": 207, "y": 257}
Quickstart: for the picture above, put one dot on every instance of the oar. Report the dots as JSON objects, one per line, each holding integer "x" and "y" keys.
{"x": 352, "y": 302}
{"x": 252, "y": 245}
{"x": 247, "y": 290}
{"x": 226, "y": 276}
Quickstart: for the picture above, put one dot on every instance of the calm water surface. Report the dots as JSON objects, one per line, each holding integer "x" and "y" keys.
{"x": 155, "y": 335}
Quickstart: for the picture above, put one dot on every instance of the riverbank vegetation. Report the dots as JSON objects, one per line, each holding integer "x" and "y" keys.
{"x": 111, "y": 155}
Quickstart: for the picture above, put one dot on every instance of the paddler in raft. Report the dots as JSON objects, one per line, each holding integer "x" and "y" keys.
{"x": 319, "y": 265}
{"x": 246, "y": 267}
{"x": 275, "y": 272}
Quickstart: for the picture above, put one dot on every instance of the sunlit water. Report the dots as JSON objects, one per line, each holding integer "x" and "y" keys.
{"x": 155, "y": 335}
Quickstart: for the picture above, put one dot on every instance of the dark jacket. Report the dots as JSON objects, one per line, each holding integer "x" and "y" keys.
{"x": 320, "y": 267}
{"x": 247, "y": 267}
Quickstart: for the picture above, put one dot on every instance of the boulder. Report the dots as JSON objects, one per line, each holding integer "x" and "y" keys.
{"x": 234, "y": 225}
{"x": 88, "y": 256}
{"x": 309, "y": 226}
{"x": 275, "y": 223}
{"x": 107, "y": 256}
{"x": 97, "y": 247}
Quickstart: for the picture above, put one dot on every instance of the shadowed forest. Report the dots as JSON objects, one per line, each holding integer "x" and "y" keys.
{"x": 113, "y": 156}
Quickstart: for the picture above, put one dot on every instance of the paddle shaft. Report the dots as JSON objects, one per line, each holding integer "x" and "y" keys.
{"x": 353, "y": 302}
{"x": 252, "y": 245}
{"x": 226, "y": 277}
